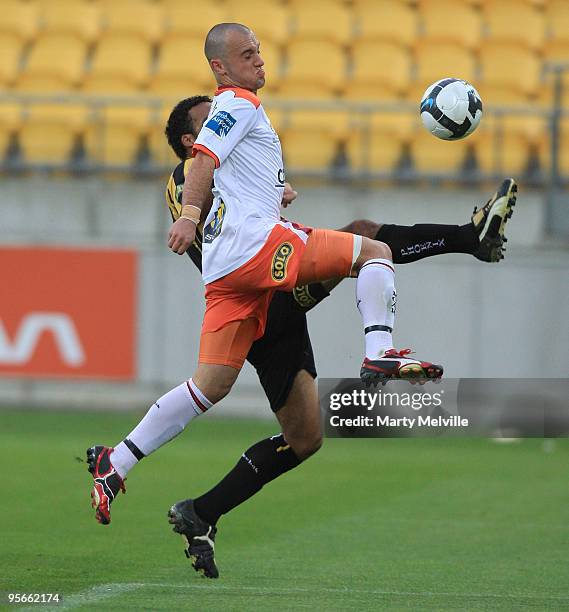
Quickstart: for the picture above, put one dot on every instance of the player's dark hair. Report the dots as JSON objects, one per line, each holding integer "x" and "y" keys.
{"x": 180, "y": 123}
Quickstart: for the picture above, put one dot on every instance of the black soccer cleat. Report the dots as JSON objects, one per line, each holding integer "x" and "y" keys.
{"x": 395, "y": 364}
{"x": 490, "y": 222}
{"x": 199, "y": 536}
{"x": 107, "y": 483}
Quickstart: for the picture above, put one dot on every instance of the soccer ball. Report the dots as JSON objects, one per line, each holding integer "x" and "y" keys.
{"x": 451, "y": 109}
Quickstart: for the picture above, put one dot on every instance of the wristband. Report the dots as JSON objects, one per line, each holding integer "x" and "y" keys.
{"x": 192, "y": 213}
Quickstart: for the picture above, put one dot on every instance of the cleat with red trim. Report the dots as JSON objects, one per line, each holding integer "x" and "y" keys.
{"x": 395, "y": 364}
{"x": 490, "y": 222}
{"x": 199, "y": 537}
{"x": 106, "y": 482}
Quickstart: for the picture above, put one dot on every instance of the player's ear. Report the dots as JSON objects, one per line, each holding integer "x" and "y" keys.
{"x": 188, "y": 140}
{"x": 217, "y": 68}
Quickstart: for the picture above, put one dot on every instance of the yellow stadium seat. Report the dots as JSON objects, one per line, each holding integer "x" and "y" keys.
{"x": 77, "y": 17}
{"x": 514, "y": 21}
{"x": 377, "y": 141}
{"x": 55, "y": 63}
{"x": 466, "y": 26}
{"x": 504, "y": 145}
{"x": 134, "y": 18}
{"x": 267, "y": 18}
{"x": 115, "y": 135}
{"x": 510, "y": 73}
{"x": 435, "y": 61}
{"x": 315, "y": 69}
{"x": 173, "y": 87}
{"x": 277, "y": 117}
{"x": 312, "y": 140}
{"x": 182, "y": 59}
{"x": 162, "y": 154}
{"x": 19, "y": 18}
{"x": 160, "y": 150}
{"x": 11, "y": 114}
{"x": 432, "y": 155}
{"x": 388, "y": 20}
{"x": 120, "y": 64}
{"x": 383, "y": 68}
{"x": 182, "y": 19}
{"x": 557, "y": 50}
{"x": 557, "y": 17}
{"x": 305, "y": 91}
{"x": 369, "y": 93}
{"x": 336, "y": 123}
{"x": 319, "y": 20}
{"x": 533, "y": 132}
{"x": 10, "y": 52}
{"x": 50, "y": 131}
{"x": 308, "y": 152}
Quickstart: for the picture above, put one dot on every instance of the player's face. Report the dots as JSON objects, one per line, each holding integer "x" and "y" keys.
{"x": 243, "y": 63}
{"x": 198, "y": 114}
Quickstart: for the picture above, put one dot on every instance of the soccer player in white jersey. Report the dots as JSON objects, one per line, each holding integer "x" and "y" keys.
{"x": 248, "y": 253}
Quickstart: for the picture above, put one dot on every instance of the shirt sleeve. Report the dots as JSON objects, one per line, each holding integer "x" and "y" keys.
{"x": 222, "y": 131}
{"x": 171, "y": 200}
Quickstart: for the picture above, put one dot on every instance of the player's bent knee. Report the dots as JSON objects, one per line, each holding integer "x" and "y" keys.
{"x": 215, "y": 381}
{"x": 372, "y": 249}
{"x": 306, "y": 446}
{"x": 362, "y": 227}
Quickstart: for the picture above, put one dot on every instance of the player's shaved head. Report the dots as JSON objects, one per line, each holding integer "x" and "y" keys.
{"x": 233, "y": 54}
{"x": 217, "y": 37}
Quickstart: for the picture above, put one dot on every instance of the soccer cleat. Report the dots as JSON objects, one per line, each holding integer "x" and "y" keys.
{"x": 199, "y": 537}
{"x": 490, "y": 221}
{"x": 107, "y": 483}
{"x": 396, "y": 365}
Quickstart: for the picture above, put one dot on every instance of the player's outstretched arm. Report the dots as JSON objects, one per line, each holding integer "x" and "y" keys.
{"x": 196, "y": 194}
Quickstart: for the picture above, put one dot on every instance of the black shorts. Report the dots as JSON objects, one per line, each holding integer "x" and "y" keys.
{"x": 284, "y": 349}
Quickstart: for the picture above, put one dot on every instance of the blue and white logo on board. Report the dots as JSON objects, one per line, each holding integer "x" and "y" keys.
{"x": 221, "y": 123}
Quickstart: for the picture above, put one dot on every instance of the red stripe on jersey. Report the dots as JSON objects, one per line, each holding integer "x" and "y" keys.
{"x": 200, "y": 147}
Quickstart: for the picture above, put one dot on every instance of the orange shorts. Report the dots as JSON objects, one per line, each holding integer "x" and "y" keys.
{"x": 237, "y": 304}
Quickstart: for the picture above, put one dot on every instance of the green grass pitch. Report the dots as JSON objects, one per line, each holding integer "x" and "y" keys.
{"x": 364, "y": 525}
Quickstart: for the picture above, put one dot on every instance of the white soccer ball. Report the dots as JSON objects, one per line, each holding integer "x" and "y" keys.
{"x": 451, "y": 109}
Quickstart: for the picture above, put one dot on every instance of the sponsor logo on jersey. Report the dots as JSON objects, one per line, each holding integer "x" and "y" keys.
{"x": 179, "y": 190}
{"x": 213, "y": 228}
{"x": 303, "y": 297}
{"x": 221, "y": 123}
{"x": 280, "y": 261}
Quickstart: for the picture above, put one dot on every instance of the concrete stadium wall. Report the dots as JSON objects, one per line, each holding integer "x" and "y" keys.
{"x": 479, "y": 320}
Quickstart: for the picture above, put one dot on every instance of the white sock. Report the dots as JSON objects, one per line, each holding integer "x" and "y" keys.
{"x": 167, "y": 417}
{"x": 376, "y": 299}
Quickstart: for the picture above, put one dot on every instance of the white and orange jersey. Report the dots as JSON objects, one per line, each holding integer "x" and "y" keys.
{"x": 248, "y": 180}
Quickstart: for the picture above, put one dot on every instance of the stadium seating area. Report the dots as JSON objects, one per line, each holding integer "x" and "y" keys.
{"x": 341, "y": 53}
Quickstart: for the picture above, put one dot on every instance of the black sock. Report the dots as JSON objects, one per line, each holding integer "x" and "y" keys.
{"x": 413, "y": 242}
{"x": 263, "y": 462}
